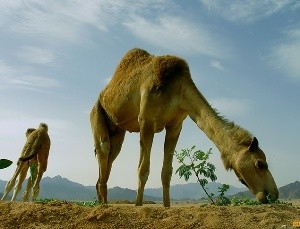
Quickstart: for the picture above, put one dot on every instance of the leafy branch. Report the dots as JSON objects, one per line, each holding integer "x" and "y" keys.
{"x": 197, "y": 164}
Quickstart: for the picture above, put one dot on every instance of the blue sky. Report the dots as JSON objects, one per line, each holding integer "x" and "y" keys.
{"x": 56, "y": 56}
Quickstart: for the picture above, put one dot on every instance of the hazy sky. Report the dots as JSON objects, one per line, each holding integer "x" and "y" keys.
{"x": 56, "y": 56}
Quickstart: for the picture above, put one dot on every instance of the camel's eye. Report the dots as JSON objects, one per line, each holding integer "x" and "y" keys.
{"x": 261, "y": 165}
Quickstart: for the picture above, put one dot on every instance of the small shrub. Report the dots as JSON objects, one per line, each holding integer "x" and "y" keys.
{"x": 89, "y": 203}
{"x": 196, "y": 162}
{"x": 236, "y": 201}
{"x": 33, "y": 172}
{"x": 222, "y": 199}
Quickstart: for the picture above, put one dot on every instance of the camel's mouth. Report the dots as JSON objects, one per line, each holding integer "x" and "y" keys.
{"x": 264, "y": 197}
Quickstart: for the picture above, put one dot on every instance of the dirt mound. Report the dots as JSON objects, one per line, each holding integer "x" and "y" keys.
{"x": 62, "y": 214}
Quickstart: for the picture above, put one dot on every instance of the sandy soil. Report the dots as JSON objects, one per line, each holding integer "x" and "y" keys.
{"x": 62, "y": 214}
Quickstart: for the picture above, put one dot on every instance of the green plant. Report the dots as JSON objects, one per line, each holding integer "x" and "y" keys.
{"x": 222, "y": 199}
{"x": 33, "y": 172}
{"x": 89, "y": 203}
{"x": 196, "y": 162}
{"x": 80, "y": 203}
{"x": 4, "y": 163}
{"x": 236, "y": 201}
{"x": 46, "y": 200}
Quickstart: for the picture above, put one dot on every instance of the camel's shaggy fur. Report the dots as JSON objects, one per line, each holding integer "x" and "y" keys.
{"x": 150, "y": 93}
{"x": 34, "y": 155}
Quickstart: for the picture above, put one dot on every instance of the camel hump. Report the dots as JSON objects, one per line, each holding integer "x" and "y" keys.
{"x": 141, "y": 66}
{"x": 137, "y": 52}
{"x": 133, "y": 59}
{"x": 167, "y": 69}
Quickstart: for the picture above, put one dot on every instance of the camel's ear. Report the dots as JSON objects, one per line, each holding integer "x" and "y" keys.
{"x": 253, "y": 145}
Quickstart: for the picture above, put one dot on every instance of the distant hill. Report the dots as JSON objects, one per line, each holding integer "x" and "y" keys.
{"x": 118, "y": 193}
{"x": 59, "y": 188}
{"x": 191, "y": 191}
{"x": 62, "y": 188}
{"x": 289, "y": 191}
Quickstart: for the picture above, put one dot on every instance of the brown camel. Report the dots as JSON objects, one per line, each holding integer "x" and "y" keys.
{"x": 150, "y": 93}
{"x": 34, "y": 155}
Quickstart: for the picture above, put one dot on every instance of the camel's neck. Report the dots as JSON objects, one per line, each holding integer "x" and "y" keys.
{"x": 224, "y": 134}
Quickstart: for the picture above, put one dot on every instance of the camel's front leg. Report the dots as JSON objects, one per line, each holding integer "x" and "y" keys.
{"x": 172, "y": 134}
{"x": 33, "y": 174}
{"x": 146, "y": 139}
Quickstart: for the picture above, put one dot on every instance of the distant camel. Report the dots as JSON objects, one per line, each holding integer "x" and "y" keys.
{"x": 150, "y": 93}
{"x": 35, "y": 155}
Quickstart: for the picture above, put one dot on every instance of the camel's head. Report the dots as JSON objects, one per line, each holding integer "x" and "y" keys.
{"x": 43, "y": 126}
{"x": 29, "y": 131}
{"x": 251, "y": 168}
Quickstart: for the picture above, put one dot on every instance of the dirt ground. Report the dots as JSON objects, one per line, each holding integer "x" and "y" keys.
{"x": 62, "y": 214}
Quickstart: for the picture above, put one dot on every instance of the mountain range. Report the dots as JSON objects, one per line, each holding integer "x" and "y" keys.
{"x": 289, "y": 191}
{"x": 62, "y": 188}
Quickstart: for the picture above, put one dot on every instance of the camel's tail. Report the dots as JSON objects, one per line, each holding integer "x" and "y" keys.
{"x": 99, "y": 127}
{"x": 30, "y": 156}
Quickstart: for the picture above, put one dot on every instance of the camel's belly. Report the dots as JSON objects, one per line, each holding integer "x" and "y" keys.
{"x": 124, "y": 110}
{"x": 135, "y": 127}
{"x": 158, "y": 122}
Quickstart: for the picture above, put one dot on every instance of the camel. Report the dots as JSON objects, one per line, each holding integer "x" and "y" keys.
{"x": 150, "y": 93}
{"x": 34, "y": 155}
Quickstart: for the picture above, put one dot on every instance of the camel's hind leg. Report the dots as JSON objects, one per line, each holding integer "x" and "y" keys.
{"x": 146, "y": 139}
{"x": 116, "y": 141}
{"x": 102, "y": 147}
{"x": 105, "y": 162}
{"x": 27, "y": 192}
{"x": 172, "y": 135}
{"x": 11, "y": 183}
{"x": 33, "y": 174}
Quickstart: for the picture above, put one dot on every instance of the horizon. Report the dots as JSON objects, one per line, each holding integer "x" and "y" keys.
{"x": 56, "y": 56}
{"x": 117, "y": 186}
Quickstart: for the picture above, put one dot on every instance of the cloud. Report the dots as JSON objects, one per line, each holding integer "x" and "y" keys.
{"x": 36, "y": 55}
{"x": 6, "y": 9}
{"x": 246, "y": 11}
{"x": 286, "y": 55}
{"x": 217, "y": 64}
{"x": 177, "y": 34}
{"x": 60, "y": 20}
{"x": 47, "y": 25}
{"x": 30, "y": 81}
{"x": 11, "y": 123}
{"x": 5, "y": 70}
{"x": 13, "y": 76}
{"x": 229, "y": 106}
{"x": 69, "y": 20}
